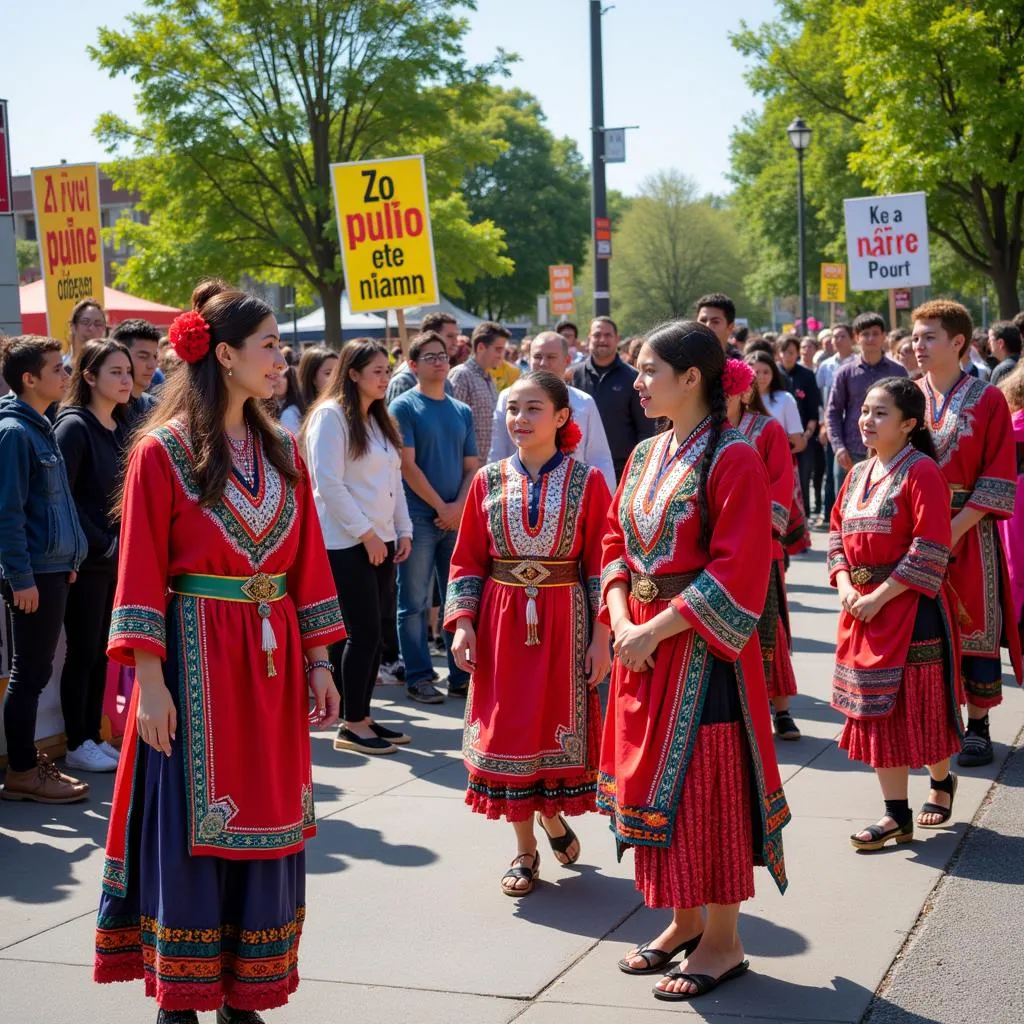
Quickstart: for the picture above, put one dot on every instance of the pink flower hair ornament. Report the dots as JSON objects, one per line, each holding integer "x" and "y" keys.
{"x": 736, "y": 377}
{"x": 568, "y": 437}
{"x": 189, "y": 335}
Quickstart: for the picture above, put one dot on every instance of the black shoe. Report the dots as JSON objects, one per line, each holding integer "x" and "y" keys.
{"x": 348, "y": 740}
{"x": 438, "y": 647}
{"x": 425, "y": 692}
{"x": 390, "y": 735}
{"x": 177, "y": 1017}
{"x": 226, "y": 1015}
{"x": 458, "y": 690}
{"x": 977, "y": 746}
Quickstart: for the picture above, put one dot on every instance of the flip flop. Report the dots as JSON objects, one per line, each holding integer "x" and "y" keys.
{"x": 705, "y": 983}
{"x": 656, "y": 958}
{"x": 559, "y": 844}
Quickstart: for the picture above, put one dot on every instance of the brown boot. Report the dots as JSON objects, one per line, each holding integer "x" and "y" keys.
{"x": 44, "y": 784}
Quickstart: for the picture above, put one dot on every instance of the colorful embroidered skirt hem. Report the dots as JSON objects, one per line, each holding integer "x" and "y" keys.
{"x": 519, "y": 801}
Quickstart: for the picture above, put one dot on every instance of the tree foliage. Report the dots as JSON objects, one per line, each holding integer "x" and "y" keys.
{"x": 903, "y": 97}
{"x": 243, "y": 105}
{"x": 538, "y": 193}
{"x": 27, "y": 254}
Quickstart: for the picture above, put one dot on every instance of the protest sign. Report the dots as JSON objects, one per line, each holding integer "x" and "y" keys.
{"x": 887, "y": 242}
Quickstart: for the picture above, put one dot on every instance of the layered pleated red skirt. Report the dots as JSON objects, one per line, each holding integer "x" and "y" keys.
{"x": 781, "y": 679}
{"x": 710, "y": 859}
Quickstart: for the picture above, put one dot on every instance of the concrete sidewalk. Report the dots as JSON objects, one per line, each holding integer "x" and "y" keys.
{"x": 406, "y": 923}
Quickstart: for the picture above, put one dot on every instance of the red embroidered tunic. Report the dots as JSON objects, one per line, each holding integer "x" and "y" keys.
{"x": 246, "y": 734}
{"x": 973, "y": 437}
{"x": 889, "y": 518}
{"x": 653, "y": 716}
{"x": 531, "y": 721}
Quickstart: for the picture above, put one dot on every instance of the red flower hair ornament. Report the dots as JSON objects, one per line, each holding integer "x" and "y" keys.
{"x": 736, "y": 377}
{"x": 189, "y": 335}
{"x": 568, "y": 437}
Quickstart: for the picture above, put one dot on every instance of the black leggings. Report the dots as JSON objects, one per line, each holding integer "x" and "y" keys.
{"x": 84, "y": 679}
{"x": 34, "y": 638}
{"x": 363, "y": 591}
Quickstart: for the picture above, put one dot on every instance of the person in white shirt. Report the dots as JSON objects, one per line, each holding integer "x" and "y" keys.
{"x": 550, "y": 351}
{"x": 842, "y": 344}
{"x": 777, "y": 400}
{"x": 354, "y": 452}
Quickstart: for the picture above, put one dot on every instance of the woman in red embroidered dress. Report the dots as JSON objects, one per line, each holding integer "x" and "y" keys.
{"x": 897, "y": 675}
{"x": 748, "y": 414}
{"x": 688, "y": 770}
{"x": 522, "y": 601}
{"x": 224, "y": 603}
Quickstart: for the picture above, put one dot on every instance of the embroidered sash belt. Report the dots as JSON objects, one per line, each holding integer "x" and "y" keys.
{"x": 531, "y": 574}
{"x": 260, "y": 590}
{"x": 862, "y": 575}
{"x": 662, "y": 587}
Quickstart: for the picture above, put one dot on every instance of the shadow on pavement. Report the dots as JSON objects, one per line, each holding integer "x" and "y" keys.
{"x": 994, "y": 857}
{"x": 38, "y": 872}
{"x": 339, "y": 841}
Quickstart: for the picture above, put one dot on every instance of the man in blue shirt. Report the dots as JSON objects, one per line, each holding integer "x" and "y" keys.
{"x": 439, "y": 459}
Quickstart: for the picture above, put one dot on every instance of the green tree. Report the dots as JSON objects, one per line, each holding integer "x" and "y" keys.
{"x": 27, "y": 254}
{"x": 904, "y": 97}
{"x": 243, "y": 105}
{"x": 538, "y": 192}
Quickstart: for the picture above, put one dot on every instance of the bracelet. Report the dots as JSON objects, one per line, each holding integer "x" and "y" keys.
{"x": 311, "y": 666}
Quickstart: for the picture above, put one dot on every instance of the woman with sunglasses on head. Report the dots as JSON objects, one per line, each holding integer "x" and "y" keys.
{"x": 88, "y": 323}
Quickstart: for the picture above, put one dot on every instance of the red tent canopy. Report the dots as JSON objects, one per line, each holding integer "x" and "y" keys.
{"x": 117, "y": 305}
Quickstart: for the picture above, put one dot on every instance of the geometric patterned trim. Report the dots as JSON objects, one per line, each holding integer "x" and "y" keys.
{"x": 923, "y": 567}
{"x": 616, "y": 570}
{"x": 319, "y": 619}
{"x": 780, "y": 518}
{"x": 993, "y": 495}
{"x": 925, "y": 652}
{"x": 138, "y": 622}
{"x": 837, "y": 560}
{"x": 463, "y": 597}
{"x": 865, "y": 693}
{"x": 594, "y": 593}
{"x": 726, "y": 620}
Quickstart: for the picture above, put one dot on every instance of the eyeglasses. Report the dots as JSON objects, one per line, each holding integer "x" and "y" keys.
{"x": 434, "y": 357}
{"x": 92, "y": 323}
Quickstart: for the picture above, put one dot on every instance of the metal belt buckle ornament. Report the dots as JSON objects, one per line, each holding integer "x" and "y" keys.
{"x": 645, "y": 589}
{"x": 861, "y": 576}
{"x": 259, "y": 588}
{"x": 530, "y": 574}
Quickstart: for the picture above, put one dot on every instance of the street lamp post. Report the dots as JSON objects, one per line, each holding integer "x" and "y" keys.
{"x": 599, "y": 194}
{"x": 800, "y": 138}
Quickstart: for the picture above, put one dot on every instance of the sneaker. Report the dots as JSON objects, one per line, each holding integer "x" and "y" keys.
{"x": 348, "y": 740}
{"x": 112, "y": 752}
{"x": 425, "y": 692}
{"x": 391, "y": 735}
{"x": 394, "y": 668}
{"x": 89, "y": 758}
{"x": 44, "y": 784}
{"x": 387, "y": 675}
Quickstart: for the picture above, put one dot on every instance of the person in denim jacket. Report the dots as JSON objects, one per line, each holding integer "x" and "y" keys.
{"x": 41, "y": 548}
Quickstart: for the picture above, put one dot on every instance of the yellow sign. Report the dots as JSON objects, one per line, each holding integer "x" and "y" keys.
{"x": 789, "y": 328}
{"x": 67, "y": 208}
{"x": 560, "y": 284}
{"x": 387, "y": 249}
{"x": 833, "y": 282}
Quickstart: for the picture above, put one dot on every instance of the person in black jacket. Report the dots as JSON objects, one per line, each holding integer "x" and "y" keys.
{"x": 609, "y": 381}
{"x": 803, "y": 385}
{"x": 92, "y": 433}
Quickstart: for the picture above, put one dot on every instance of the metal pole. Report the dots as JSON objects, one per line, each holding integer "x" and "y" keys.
{"x": 599, "y": 195}
{"x": 800, "y": 230}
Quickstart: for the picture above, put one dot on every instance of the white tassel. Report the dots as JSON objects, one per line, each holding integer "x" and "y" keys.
{"x": 532, "y": 621}
{"x": 269, "y": 639}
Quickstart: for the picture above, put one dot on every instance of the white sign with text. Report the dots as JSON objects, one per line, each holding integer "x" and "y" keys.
{"x": 887, "y": 242}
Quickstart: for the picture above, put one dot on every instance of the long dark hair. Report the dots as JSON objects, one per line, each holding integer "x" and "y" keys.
{"x": 686, "y": 344}
{"x": 91, "y": 359}
{"x": 197, "y": 395}
{"x": 309, "y": 366}
{"x": 758, "y": 358}
{"x": 910, "y": 401}
{"x": 357, "y": 355}
{"x": 556, "y": 389}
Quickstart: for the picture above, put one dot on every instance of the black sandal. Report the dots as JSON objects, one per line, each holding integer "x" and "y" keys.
{"x": 559, "y": 844}
{"x": 520, "y": 871}
{"x": 705, "y": 983}
{"x": 785, "y": 727}
{"x": 880, "y": 836}
{"x": 228, "y": 1015}
{"x": 657, "y": 958}
{"x": 946, "y": 785}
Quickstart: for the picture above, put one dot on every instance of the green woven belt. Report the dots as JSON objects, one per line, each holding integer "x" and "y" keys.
{"x": 258, "y": 589}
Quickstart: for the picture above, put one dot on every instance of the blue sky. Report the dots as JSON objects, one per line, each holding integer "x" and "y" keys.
{"x": 669, "y": 68}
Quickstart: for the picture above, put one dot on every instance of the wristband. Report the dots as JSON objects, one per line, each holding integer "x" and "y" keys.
{"x": 313, "y": 665}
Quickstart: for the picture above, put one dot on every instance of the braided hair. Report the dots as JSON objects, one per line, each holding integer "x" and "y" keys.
{"x": 686, "y": 344}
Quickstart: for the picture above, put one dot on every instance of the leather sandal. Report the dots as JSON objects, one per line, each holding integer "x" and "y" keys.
{"x": 521, "y": 871}
{"x": 657, "y": 958}
{"x": 880, "y": 836}
{"x": 704, "y": 983}
{"x": 559, "y": 844}
{"x": 946, "y": 785}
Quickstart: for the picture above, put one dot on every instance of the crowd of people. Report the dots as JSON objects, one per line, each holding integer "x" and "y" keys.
{"x": 541, "y": 514}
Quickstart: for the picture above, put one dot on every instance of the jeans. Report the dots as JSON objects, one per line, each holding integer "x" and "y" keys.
{"x": 363, "y": 590}
{"x": 830, "y": 482}
{"x": 33, "y": 643}
{"x": 432, "y": 550}
{"x": 84, "y": 678}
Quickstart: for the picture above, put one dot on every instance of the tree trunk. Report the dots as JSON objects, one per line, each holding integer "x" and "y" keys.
{"x": 330, "y": 296}
{"x": 1006, "y": 291}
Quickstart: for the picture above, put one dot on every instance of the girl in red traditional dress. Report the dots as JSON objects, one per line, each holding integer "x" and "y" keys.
{"x": 897, "y": 675}
{"x": 748, "y": 414}
{"x": 522, "y": 602}
{"x": 688, "y": 769}
{"x": 225, "y": 606}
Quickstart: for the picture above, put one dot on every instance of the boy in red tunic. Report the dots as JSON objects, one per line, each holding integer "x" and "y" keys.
{"x": 970, "y": 425}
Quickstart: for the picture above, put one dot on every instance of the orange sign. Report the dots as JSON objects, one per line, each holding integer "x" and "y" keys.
{"x": 560, "y": 280}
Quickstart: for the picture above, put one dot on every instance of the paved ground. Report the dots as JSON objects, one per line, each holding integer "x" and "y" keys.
{"x": 406, "y": 923}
